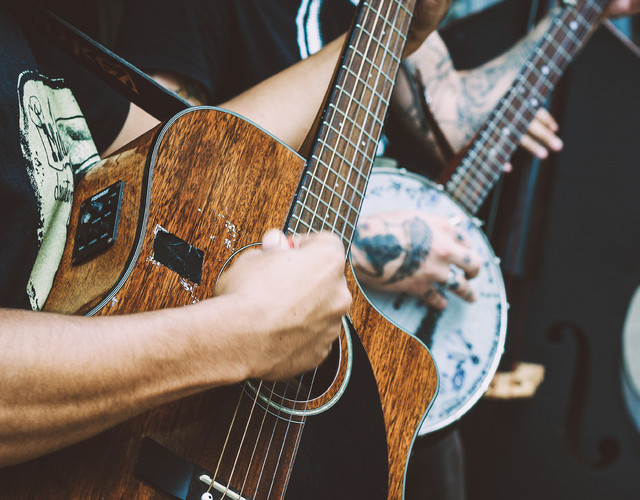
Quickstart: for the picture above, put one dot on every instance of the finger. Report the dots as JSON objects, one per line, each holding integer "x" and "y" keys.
{"x": 469, "y": 261}
{"x": 543, "y": 134}
{"x": 534, "y": 147}
{"x": 433, "y": 298}
{"x": 461, "y": 238}
{"x": 452, "y": 226}
{"x": 459, "y": 285}
{"x": 274, "y": 239}
{"x": 324, "y": 237}
{"x": 547, "y": 119}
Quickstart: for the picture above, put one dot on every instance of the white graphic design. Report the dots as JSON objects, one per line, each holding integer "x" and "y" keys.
{"x": 56, "y": 142}
{"x": 308, "y": 24}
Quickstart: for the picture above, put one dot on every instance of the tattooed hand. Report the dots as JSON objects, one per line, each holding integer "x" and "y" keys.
{"x": 412, "y": 252}
{"x": 618, "y": 8}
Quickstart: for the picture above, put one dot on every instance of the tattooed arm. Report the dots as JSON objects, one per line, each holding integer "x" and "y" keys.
{"x": 411, "y": 252}
{"x": 462, "y": 100}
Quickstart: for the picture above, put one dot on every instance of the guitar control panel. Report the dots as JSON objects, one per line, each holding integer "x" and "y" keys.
{"x": 97, "y": 223}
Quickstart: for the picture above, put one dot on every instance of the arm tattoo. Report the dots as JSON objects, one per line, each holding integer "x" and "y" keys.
{"x": 483, "y": 87}
{"x": 381, "y": 249}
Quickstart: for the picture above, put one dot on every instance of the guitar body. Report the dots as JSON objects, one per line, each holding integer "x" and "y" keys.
{"x": 215, "y": 183}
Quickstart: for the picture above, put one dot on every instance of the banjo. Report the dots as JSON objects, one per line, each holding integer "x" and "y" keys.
{"x": 467, "y": 339}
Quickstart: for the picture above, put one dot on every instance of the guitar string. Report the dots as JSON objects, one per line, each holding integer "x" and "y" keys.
{"x": 253, "y": 454}
{"x": 310, "y": 391}
{"x": 277, "y": 419}
{"x": 297, "y": 225}
{"x": 356, "y": 149}
{"x": 341, "y": 89}
{"x": 226, "y": 441}
{"x": 470, "y": 190}
{"x": 242, "y": 442}
{"x": 299, "y": 386}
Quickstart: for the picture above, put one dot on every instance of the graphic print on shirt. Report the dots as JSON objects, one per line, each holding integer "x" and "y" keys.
{"x": 55, "y": 142}
{"x": 308, "y": 24}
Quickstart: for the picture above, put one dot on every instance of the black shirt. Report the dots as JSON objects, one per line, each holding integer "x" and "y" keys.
{"x": 44, "y": 140}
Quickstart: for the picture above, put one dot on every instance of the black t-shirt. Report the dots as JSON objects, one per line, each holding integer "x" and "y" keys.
{"x": 44, "y": 139}
{"x": 228, "y": 45}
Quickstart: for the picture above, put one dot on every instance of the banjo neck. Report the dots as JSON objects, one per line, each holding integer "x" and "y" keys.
{"x": 483, "y": 162}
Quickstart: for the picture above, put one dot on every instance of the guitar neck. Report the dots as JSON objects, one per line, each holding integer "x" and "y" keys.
{"x": 495, "y": 143}
{"x": 344, "y": 149}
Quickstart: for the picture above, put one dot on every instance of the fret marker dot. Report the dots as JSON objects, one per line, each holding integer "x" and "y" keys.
{"x": 545, "y": 70}
{"x": 573, "y": 25}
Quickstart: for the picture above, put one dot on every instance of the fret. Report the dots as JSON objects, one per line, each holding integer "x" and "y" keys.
{"x": 339, "y": 130}
{"x": 499, "y": 137}
{"x": 549, "y": 62}
{"x": 332, "y": 216}
{"x": 377, "y": 125}
{"x": 559, "y": 48}
{"x": 334, "y": 196}
{"x": 379, "y": 45}
{"x": 313, "y": 176}
{"x": 345, "y": 165}
{"x": 352, "y": 101}
{"x": 582, "y": 20}
{"x": 366, "y": 63}
{"x": 396, "y": 31}
{"x": 571, "y": 34}
{"x": 329, "y": 218}
{"x": 339, "y": 165}
{"x": 371, "y": 89}
{"x": 346, "y": 152}
{"x": 352, "y": 187}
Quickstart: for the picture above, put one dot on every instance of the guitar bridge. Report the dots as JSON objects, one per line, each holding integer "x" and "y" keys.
{"x": 219, "y": 490}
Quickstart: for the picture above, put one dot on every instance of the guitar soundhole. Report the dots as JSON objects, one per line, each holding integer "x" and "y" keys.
{"x": 295, "y": 393}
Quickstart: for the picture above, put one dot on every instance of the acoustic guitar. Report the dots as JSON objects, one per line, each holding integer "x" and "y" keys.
{"x": 467, "y": 339}
{"x": 155, "y": 224}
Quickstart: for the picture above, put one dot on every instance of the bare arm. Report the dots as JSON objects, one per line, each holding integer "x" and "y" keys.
{"x": 67, "y": 378}
{"x": 287, "y": 103}
{"x": 462, "y": 100}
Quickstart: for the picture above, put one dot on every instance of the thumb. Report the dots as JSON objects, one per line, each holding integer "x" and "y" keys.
{"x": 274, "y": 239}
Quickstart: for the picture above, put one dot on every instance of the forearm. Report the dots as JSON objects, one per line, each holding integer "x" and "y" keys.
{"x": 286, "y": 104}
{"x": 462, "y": 100}
{"x": 68, "y": 378}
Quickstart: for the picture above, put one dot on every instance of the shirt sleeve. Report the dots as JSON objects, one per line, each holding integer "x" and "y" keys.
{"x": 190, "y": 38}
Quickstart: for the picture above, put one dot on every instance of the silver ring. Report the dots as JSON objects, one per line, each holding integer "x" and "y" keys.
{"x": 453, "y": 280}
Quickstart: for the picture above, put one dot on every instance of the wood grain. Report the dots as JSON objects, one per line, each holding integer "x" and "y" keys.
{"x": 217, "y": 182}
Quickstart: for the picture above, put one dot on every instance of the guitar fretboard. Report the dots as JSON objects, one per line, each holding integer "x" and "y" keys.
{"x": 483, "y": 163}
{"x": 338, "y": 169}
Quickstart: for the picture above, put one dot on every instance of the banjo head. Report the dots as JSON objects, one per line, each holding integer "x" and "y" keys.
{"x": 466, "y": 339}
{"x": 631, "y": 360}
